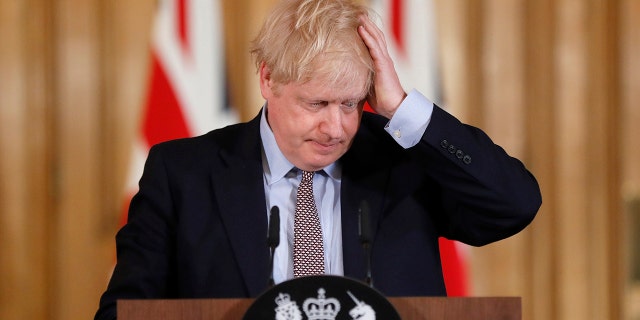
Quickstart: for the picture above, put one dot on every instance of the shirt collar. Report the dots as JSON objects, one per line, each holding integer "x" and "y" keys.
{"x": 275, "y": 164}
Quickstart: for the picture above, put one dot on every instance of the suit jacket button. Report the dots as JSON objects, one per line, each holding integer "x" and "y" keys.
{"x": 452, "y": 149}
{"x": 444, "y": 144}
{"x": 467, "y": 159}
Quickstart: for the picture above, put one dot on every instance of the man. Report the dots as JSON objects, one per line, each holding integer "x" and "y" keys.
{"x": 197, "y": 228}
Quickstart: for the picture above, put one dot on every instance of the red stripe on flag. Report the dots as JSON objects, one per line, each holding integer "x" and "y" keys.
{"x": 453, "y": 269}
{"x": 182, "y": 25}
{"x": 397, "y": 29}
{"x": 367, "y": 107}
{"x": 163, "y": 118}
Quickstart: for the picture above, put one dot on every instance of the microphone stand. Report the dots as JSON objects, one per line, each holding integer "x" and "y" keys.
{"x": 365, "y": 239}
{"x": 273, "y": 239}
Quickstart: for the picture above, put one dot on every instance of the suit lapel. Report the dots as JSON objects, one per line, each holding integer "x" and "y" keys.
{"x": 240, "y": 195}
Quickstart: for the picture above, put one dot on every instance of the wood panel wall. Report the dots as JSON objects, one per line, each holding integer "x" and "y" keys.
{"x": 555, "y": 82}
{"x": 71, "y": 78}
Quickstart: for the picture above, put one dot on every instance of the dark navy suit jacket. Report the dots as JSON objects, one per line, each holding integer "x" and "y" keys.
{"x": 197, "y": 227}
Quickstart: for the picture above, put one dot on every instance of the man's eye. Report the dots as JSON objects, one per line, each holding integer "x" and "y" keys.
{"x": 350, "y": 104}
{"x": 316, "y": 104}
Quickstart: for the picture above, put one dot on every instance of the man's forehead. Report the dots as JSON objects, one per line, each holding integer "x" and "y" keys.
{"x": 338, "y": 89}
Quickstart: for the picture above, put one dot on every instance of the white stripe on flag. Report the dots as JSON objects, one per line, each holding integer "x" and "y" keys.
{"x": 418, "y": 67}
{"x": 197, "y": 75}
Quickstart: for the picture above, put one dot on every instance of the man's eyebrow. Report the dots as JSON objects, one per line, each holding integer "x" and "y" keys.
{"x": 358, "y": 97}
{"x": 362, "y": 96}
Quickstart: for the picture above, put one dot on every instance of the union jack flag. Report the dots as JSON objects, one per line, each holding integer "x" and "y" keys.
{"x": 186, "y": 90}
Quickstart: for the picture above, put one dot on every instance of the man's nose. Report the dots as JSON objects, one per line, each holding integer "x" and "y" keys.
{"x": 331, "y": 124}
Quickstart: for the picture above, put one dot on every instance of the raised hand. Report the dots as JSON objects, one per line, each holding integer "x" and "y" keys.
{"x": 387, "y": 93}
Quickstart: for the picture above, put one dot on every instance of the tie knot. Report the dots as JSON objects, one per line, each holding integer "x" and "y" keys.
{"x": 307, "y": 176}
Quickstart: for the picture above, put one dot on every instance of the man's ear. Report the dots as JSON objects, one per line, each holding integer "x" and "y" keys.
{"x": 266, "y": 86}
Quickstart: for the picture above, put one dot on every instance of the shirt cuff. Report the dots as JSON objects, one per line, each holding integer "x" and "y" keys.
{"x": 410, "y": 120}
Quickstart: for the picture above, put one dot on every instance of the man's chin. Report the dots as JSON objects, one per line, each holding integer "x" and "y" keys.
{"x": 321, "y": 162}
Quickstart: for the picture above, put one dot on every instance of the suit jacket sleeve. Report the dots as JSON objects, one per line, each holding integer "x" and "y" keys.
{"x": 484, "y": 194}
{"x": 455, "y": 183}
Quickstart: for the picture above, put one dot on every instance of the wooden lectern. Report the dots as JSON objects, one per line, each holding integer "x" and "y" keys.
{"x": 409, "y": 308}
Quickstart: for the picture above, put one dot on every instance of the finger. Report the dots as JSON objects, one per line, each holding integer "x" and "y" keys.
{"x": 375, "y": 48}
{"x": 373, "y": 39}
{"x": 373, "y": 30}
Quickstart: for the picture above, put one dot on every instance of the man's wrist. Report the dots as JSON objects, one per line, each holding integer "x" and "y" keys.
{"x": 410, "y": 120}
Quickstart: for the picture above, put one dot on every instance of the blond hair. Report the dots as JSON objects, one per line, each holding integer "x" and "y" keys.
{"x": 302, "y": 39}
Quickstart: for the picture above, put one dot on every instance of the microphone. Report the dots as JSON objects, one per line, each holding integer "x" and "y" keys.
{"x": 364, "y": 232}
{"x": 273, "y": 239}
